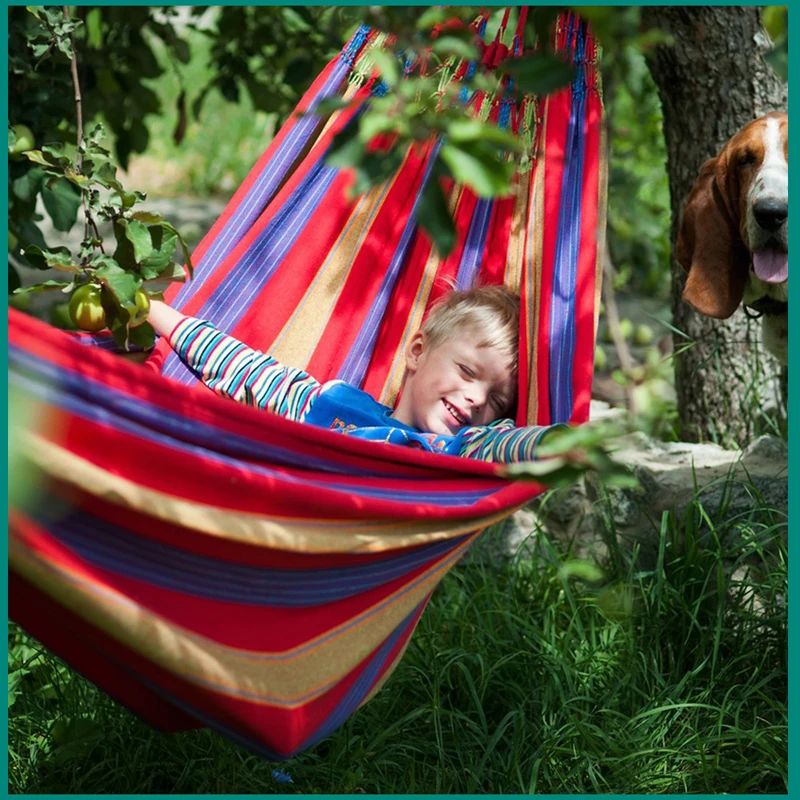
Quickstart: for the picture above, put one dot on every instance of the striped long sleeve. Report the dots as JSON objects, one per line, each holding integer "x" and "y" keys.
{"x": 502, "y": 442}
{"x": 234, "y": 370}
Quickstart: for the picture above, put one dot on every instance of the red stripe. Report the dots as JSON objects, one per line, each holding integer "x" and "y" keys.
{"x": 369, "y": 268}
{"x": 256, "y": 628}
{"x": 97, "y": 655}
{"x": 583, "y": 362}
{"x": 557, "y": 120}
{"x": 85, "y": 649}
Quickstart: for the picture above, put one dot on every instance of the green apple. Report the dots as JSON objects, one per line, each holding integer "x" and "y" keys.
{"x": 86, "y": 309}
{"x": 139, "y": 315}
{"x": 643, "y": 335}
{"x": 600, "y": 358}
{"x": 25, "y": 141}
{"x": 626, "y": 328}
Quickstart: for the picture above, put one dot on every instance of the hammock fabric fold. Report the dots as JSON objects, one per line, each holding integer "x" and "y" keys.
{"x": 210, "y": 564}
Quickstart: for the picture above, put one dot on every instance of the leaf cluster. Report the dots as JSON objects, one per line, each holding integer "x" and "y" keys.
{"x": 567, "y": 453}
{"x": 420, "y": 99}
{"x": 70, "y": 177}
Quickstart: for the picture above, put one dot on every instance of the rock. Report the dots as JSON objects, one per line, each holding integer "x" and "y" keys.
{"x": 750, "y": 486}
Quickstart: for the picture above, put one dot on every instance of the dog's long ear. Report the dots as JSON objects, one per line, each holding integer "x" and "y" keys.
{"x": 709, "y": 246}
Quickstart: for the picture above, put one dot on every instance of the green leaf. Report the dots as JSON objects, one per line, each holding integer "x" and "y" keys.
{"x": 150, "y": 217}
{"x": 329, "y": 105}
{"x": 373, "y": 124}
{"x": 105, "y": 175}
{"x": 433, "y": 215}
{"x": 62, "y": 201}
{"x": 539, "y": 73}
{"x": 454, "y": 46}
{"x": 581, "y": 569}
{"x": 58, "y": 258}
{"x": 57, "y": 152}
{"x": 124, "y": 254}
{"x": 138, "y": 235}
{"x": 94, "y": 28}
{"x": 38, "y": 157}
{"x": 121, "y": 284}
{"x": 142, "y": 336}
{"x": 430, "y": 17}
{"x": 47, "y": 286}
{"x": 293, "y": 21}
{"x": 387, "y": 66}
{"x": 553, "y": 471}
{"x": 480, "y": 170}
{"x": 172, "y": 273}
{"x": 187, "y": 256}
{"x": 473, "y": 130}
{"x": 27, "y": 186}
{"x": 346, "y": 149}
{"x": 28, "y": 231}
{"x": 164, "y": 239}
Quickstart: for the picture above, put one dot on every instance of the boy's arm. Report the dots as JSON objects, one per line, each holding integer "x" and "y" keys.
{"x": 232, "y": 369}
{"x": 503, "y": 443}
{"x": 163, "y": 318}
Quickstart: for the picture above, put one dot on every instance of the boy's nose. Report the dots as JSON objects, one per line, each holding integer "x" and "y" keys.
{"x": 476, "y": 396}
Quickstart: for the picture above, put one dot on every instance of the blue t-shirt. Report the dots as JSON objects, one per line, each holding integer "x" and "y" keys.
{"x": 346, "y": 409}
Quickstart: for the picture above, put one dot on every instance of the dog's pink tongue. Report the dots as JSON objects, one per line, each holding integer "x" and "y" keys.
{"x": 771, "y": 266}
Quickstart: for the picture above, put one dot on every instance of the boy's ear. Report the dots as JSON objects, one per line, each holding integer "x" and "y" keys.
{"x": 414, "y": 350}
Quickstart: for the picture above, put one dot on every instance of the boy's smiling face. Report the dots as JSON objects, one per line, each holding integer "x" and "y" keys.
{"x": 455, "y": 384}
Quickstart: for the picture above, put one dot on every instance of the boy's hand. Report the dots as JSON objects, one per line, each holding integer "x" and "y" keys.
{"x": 163, "y": 318}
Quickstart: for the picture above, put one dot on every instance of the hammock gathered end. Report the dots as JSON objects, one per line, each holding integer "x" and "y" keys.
{"x": 244, "y": 572}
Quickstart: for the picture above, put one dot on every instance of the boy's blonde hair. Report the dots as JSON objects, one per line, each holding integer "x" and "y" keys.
{"x": 493, "y": 311}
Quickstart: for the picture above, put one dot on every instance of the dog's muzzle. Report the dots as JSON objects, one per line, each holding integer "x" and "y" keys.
{"x": 765, "y": 307}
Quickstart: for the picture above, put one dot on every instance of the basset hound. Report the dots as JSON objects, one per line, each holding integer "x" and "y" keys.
{"x": 734, "y": 238}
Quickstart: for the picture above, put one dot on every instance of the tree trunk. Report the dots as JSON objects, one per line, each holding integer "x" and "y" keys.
{"x": 711, "y": 83}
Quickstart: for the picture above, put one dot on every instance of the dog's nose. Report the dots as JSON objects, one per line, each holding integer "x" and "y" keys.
{"x": 770, "y": 213}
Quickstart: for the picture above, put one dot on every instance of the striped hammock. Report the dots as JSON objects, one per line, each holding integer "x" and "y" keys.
{"x": 210, "y": 564}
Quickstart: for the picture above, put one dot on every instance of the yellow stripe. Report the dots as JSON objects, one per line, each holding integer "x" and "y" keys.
{"x": 533, "y": 263}
{"x": 602, "y": 215}
{"x": 294, "y": 535}
{"x": 300, "y": 336}
{"x": 274, "y": 679}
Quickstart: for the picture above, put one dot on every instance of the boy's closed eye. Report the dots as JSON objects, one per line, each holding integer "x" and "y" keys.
{"x": 498, "y": 403}
{"x": 467, "y": 372}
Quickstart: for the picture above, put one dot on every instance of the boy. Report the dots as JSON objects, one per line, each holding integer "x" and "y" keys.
{"x": 460, "y": 380}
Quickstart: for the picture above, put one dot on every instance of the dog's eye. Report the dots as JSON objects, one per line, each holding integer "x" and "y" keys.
{"x": 747, "y": 159}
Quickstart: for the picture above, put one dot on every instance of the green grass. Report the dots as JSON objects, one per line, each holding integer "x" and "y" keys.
{"x": 664, "y": 679}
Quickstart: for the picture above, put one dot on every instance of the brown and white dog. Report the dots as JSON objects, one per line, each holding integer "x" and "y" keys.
{"x": 734, "y": 238}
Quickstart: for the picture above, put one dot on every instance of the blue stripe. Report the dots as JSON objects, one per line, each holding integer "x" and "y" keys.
{"x": 562, "y": 302}
{"x": 471, "y": 258}
{"x": 108, "y": 546}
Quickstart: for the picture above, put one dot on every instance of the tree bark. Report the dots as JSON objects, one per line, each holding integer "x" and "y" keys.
{"x": 712, "y": 82}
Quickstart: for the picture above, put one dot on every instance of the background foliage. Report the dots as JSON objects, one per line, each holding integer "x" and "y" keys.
{"x": 196, "y": 94}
